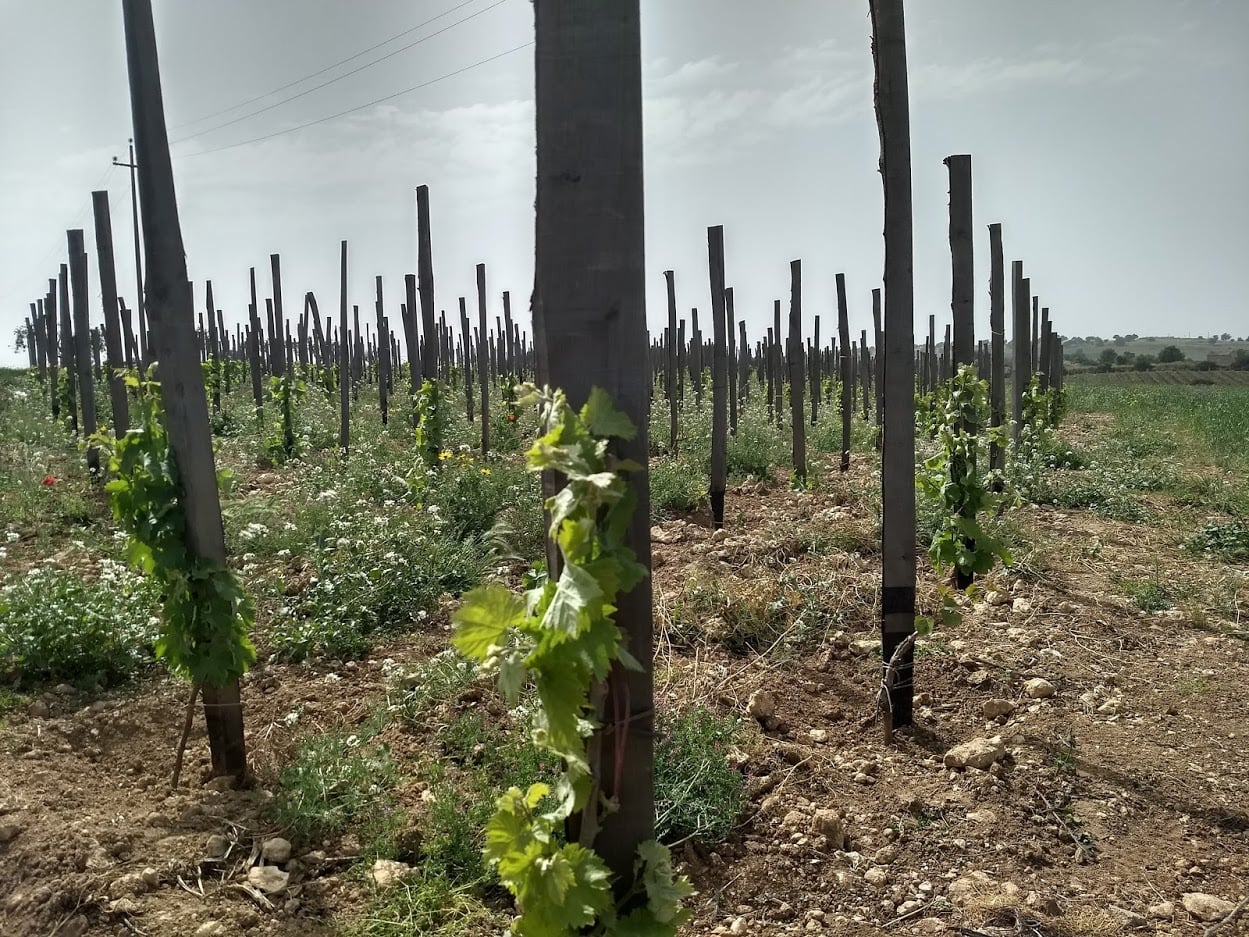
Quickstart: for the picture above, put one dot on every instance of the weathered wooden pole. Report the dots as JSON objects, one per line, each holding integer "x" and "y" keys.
{"x": 279, "y": 322}
{"x": 847, "y": 385}
{"x": 213, "y": 345}
{"x": 997, "y": 349}
{"x": 483, "y": 358}
{"x": 778, "y": 355}
{"x": 590, "y": 322}
{"x": 730, "y": 335}
{"x": 169, "y": 305}
{"x": 344, "y": 356}
{"x": 425, "y": 285}
{"x": 51, "y": 326}
{"x": 796, "y": 355}
{"x": 696, "y": 358}
{"x": 69, "y": 356}
{"x": 719, "y": 376}
{"x": 112, "y": 327}
{"x": 1023, "y": 345}
{"x": 963, "y": 277}
{"x": 82, "y": 345}
{"x": 671, "y": 364}
{"x": 383, "y": 349}
{"x": 898, "y": 457}
{"x": 813, "y": 371}
{"x": 878, "y": 363}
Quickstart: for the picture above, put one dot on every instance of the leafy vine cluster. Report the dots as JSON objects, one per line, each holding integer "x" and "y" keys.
{"x": 432, "y": 419}
{"x": 952, "y": 476}
{"x": 206, "y": 613}
{"x": 560, "y": 637}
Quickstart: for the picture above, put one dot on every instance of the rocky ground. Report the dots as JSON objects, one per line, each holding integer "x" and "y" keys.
{"x": 1077, "y": 766}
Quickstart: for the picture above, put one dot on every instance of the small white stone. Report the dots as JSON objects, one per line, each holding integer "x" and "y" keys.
{"x": 1038, "y": 688}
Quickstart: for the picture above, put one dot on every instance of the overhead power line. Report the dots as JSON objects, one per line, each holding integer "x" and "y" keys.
{"x": 322, "y": 71}
{"x": 325, "y": 84}
{"x": 360, "y": 107}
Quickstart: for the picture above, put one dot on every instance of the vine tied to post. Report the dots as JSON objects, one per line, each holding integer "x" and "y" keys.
{"x": 560, "y": 636}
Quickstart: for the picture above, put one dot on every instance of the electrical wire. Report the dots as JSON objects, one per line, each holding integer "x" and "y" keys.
{"x": 326, "y": 84}
{"x": 360, "y": 107}
{"x": 322, "y": 71}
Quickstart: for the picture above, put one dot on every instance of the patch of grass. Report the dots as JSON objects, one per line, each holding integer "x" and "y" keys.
{"x": 430, "y": 904}
{"x": 335, "y": 782}
{"x": 755, "y": 451}
{"x": 1066, "y": 752}
{"x": 56, "y": 627}
{"x": 1227, "y": 541}
{"x": 749, "y": 619}
{"x": 677, "y": 487}
{"x": 1150, "y": 595}
{"x": 697, "y": 793}
{"x": 437, "y": 680}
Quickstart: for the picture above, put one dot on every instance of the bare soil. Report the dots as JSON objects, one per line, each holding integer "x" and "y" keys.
{"x": 1116, "y": 796}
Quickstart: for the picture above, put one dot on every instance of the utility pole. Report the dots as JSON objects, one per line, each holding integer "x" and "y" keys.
{"x": 138, "y": 257}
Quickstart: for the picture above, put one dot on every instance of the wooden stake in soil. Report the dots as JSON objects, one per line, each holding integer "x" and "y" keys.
{"x": 847, "y": 385}
{"x": 482, "y": 362}
{"x": 590, "y": 319}
{"x": 671, "y": 364}
{"x": 112, "y": 327}
{"x": 719, "y": 376}
{"x": 898, "y": 457}
{"x": 425, "y": 284}
{"x": 344, "y": 356}
{"x": 796, "y": 355}
{"x": 82, "y": 347}
{"x": 1023, "y": 345}
{"x": 169, "y": 305}
{"x": 963, "y": 285}
{"x": 997, "y": 350}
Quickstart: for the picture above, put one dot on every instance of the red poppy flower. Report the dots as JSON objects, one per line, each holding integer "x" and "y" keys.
{"x": 49, "y": 481}
{"x": 511, "y": 417}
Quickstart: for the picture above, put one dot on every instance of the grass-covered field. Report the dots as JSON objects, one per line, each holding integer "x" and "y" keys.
{"x": 372, "y": 740}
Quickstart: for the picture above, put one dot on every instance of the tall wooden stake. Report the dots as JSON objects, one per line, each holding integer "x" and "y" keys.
{"x": 169, "y": 306}
{"x": 898, "y": 457}
{"x": 719, "y": 376}
{"x": 82, "y": 345}
{"x": 963, "y": 278}
{"x": 796, "y": 355}
{"x": 112, "y": 325}
{"x": 590, "y": 322}
{"x": 997, "y": 349}
{"x": 847, "y": 384}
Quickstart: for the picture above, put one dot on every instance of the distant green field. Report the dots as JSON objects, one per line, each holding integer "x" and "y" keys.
{"x": 1193, "y": 349}
{"x": 1213, "y": 418}
{"x": 1160, "y": 377}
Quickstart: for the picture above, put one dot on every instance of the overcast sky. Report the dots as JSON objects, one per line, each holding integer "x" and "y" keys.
{"x": 1109, "y": 138}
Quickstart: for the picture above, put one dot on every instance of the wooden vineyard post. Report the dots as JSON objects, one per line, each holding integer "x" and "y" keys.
{"x": 383, "y": 351}
{"x": 214, "y": 339}
{"x": 963, "y": 278}
{"x": 997, "y": 349}
{"x": 719, "y": 376}
{"x": 483, "y": 361}
{"x": 468, "y": 365}
{"x": 696, "y": 358}
{"x": 813, "y": 371}
{"x": 69, "y": 358}
{"x": 590, "y": 322}
{"x": 730, "y": 336}
{"x": 743, "y": 351}
{"x": 865, "y": 374}
{"x": 878, "y": 365}
{"x": 1043, "y": 367}
{"x": 898, "y": 456}
{"x": 344, "y": 357}
{"x": 799, "y": 428}
{"x": 82, "y": 345}
{"x": 169, "y": 305}
{"x": 425, "y": 285}
{"x": 254, "y": 351}
{"x": 112, "y": 327}
{"x": 671, "y": 363}
{"x": 54, "y": 348}
{"x": 279, "y": 346}
{"x": 1023, "y": 346}
{"x": 847, "y": 385}
{"x": 771, "y": 373}
{"x": 778, "y": 355}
